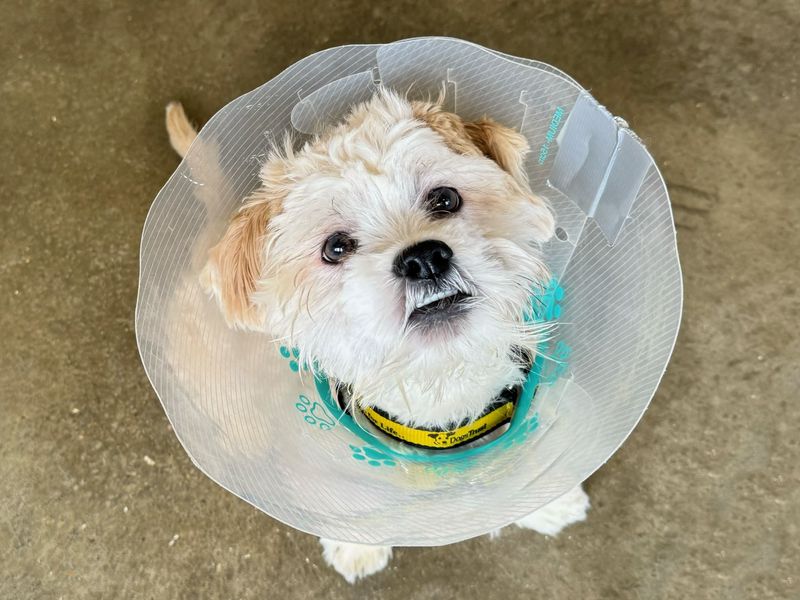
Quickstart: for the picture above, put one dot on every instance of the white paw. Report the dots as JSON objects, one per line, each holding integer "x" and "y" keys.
{"x": 354, "y": 561}
{"x": 552, "y": 518}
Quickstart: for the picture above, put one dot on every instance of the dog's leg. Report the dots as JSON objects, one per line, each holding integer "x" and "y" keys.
{"x": 354, "y": 561}
{"x": 180, "y": 129}
{"x": 552, "y": 518}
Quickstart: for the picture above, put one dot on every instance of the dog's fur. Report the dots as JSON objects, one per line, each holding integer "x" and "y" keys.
{"x": 369, "y": 177}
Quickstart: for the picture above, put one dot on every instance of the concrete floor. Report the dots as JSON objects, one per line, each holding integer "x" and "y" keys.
{"x": 97, "y": 498}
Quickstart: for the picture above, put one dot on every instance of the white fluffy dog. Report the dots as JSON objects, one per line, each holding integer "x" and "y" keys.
{"x": 399, "y": 251}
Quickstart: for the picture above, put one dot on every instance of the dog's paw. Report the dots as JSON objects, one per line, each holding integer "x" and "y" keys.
{"x": 552, "y": 518}
{"x": 355, "y": 561}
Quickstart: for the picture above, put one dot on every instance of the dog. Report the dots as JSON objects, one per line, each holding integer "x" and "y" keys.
{"x": 399, "y": 250}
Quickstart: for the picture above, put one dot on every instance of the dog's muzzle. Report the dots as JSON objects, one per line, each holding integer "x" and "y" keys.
{"x": 435, "y": 290}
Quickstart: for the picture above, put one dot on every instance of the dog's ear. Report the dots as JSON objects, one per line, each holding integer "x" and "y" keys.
{"x": 236, "y": 264}
{"x": 503, "y": 145}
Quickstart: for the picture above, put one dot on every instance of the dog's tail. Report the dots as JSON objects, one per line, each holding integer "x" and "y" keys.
{"x": 180, "y": 129}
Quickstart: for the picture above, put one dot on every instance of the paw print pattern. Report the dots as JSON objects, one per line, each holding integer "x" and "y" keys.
{"x": 520, "y": 435}
{"x": 551, "y": 301}
{"x": 372, "y": 457}
{"x": 557, "y": 365}
{"x": 315, "y": 413}
{"x": 448, "y": 468}
{"x": 293, "y": 355}
{"x": 560, "y": 355}
{"x": 547, "y": 307}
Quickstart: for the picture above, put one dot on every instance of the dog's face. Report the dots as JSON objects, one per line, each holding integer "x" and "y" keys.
{"x": 402, "y": 244}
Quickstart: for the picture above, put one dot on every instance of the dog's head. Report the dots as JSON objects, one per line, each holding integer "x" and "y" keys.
{"x": 402, "y": 242}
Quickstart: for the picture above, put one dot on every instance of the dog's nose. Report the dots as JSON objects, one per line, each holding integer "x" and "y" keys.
{"x": 426, "y": 260}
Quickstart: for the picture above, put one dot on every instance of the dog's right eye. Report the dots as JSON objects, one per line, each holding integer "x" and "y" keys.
{"x": 338, "y": 247}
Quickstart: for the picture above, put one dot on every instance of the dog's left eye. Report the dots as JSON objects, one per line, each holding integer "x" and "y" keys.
{"x": 443, "y": 201}
{"x": 338, "y": 247}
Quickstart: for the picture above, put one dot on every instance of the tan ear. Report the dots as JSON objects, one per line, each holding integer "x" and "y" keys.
{"x": 235, "y": 264}
{"x": 503, "y": 145}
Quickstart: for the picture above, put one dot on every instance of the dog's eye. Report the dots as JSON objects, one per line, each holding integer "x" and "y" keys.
{"x": 338, "y": 247}
{"x": 443, "y": 201}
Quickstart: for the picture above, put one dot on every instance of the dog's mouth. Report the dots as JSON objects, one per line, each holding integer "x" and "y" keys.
{"x": 434, "y": 307}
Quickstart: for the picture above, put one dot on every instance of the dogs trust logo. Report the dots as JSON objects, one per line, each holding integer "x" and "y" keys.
{"x": 552, "y": 131}
{"x": 446, "y": 439}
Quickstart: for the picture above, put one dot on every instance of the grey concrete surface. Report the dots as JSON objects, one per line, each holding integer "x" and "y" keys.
{"x": 97, "y": 498}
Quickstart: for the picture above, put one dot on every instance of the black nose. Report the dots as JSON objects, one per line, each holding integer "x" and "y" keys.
{"x": 426, "y": 260}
